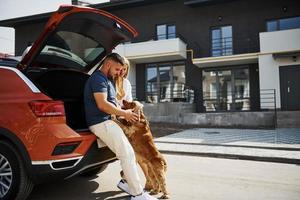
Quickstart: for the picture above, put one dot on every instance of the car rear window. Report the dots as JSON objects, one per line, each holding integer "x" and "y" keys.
{"x": 70, "y": 49}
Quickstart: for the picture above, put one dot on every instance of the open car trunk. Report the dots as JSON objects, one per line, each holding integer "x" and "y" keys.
{"x": 74, "y": 40}
{"x": 67, "y": 86}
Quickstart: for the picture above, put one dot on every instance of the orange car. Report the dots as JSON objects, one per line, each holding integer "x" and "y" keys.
{"x": 43, "y": 132}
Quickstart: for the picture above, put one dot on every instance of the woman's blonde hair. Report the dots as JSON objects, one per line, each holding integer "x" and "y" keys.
{"x": 119, "y": 80}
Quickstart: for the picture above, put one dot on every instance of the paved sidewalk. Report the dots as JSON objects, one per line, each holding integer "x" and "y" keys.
{"x": 280, "y": 145}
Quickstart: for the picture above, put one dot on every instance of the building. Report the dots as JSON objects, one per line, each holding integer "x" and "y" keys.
{"x": 233, "y": 58}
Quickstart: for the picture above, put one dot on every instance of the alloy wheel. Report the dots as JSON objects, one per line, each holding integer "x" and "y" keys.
{"x": 5, "y": 176}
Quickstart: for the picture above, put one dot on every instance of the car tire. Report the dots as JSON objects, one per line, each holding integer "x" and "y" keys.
{"x": 14, "y": 181}
{"x": 94, "y": 171}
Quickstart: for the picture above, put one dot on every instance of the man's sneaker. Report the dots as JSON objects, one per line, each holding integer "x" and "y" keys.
{"x": 123, "y": 185}
{"x": 144, "y": 196}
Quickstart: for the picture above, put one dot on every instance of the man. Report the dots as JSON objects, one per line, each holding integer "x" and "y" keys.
{"x": 100, "y": 104}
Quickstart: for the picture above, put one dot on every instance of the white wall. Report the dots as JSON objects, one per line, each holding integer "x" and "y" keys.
{"x": 132, "y": 74}
{"x": 286, "y": 40}
{"x": 7, "y": 40}
{"x": 272, "y": 42}
{"x": 10, "y": 9}
{"x": 16, "y": 8}
{"x": 154, "y": 48}
{"x": 153, "y": 51}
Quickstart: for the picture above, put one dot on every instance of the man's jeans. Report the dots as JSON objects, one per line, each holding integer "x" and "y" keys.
{"x": 113, "y": 136}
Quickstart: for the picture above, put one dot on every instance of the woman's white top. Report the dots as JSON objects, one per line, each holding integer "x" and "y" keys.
{"x": 128, "y": 92}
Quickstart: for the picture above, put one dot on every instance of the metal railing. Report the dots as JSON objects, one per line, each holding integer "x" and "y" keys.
{"x": 167, "y": 92}
{"x": 238, "y": 101}
{"x": 161, "y": 37}
{"x": 234, "y": 45}
{"x": 226, "y": 101}
{"x": 170, "y": 36}
{"x": 222, "y": 46}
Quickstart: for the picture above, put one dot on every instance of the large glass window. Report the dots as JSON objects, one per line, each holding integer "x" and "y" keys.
{"x": 165, "y": 82}
{"x": 221, "y": 44}
{"x": 283, "y": 24}
{"x": 165, "y": 31}
{"x": 226, "y": 90}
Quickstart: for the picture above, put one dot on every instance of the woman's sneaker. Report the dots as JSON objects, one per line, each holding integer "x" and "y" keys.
{"x": 123, "y": 185}
{"x": 143, "y": 196}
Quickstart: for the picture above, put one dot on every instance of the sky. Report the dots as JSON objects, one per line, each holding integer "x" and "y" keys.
{"x": 10, "y": 9}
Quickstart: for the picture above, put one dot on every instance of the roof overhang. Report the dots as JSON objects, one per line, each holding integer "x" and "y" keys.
{"x": 239, "y": 59}
{"x": 157, "y": 57}
{"x": 204, "y": 2}
{"x": 39, "y": 18}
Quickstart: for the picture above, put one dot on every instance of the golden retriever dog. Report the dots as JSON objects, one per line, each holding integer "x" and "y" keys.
{"x": 149, "y": 158}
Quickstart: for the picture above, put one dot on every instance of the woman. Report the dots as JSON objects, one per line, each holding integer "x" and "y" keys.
{"x": 123, "y": 86}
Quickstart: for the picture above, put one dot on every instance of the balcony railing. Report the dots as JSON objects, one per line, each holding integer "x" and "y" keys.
{"x": 160, "y": 37}
{"x": 233, "y": 45}
{"x": 222, "y": 46}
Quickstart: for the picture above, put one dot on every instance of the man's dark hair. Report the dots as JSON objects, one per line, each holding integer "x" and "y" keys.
{"x": 115, "y": 57}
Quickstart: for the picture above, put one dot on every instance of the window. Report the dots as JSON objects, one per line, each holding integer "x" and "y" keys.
{"x": 226, "y": 89}
{"x": 165, "y": 82}
{"x": 283, "y": 24}
{"x": 221, "y": 41}
{"x": 165, "y": 31}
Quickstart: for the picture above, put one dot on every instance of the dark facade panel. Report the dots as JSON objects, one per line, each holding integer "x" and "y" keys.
{"x": 194, "y": 24}
{"x": 140, "y": 81}
{"x": 25, "y": 36}
{"x": 254, "y": 87}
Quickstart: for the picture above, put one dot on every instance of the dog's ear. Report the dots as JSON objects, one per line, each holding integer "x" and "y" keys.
{"x": 127, "y": 104}
{"x": 124, "y": 122}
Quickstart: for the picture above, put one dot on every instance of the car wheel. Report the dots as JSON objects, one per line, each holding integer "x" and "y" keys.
{"x": 94, "y": 171}
{"x": 14, "y": 181}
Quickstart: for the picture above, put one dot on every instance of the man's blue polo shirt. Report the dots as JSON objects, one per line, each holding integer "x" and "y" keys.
{"x": 97, "y": 82}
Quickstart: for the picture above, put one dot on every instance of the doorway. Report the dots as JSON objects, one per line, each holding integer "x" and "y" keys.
{"x": 290, "y": 87}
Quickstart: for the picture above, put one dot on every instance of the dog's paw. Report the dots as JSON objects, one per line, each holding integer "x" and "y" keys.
{"x": 153, "y": 192}
{"x": 165, "y": 196}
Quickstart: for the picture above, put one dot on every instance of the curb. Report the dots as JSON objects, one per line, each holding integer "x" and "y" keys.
{"x": 229, "y": 145}
{"x": 235, "y": 156}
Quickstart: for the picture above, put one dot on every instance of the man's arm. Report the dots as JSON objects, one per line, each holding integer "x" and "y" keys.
{"x": 110, "y": 108}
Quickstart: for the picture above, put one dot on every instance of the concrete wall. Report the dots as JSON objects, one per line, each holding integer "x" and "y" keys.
{"x": 167, "y": 112}
{"x": 184, "y": 113}
{"x": 233, "y": 119}
{"x": 230, "y": 120}
{"x": 288, "y": 119}
{"x": 275, "y": 42}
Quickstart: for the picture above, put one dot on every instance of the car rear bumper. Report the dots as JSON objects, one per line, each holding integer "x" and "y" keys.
{"x": 67, "y": 168}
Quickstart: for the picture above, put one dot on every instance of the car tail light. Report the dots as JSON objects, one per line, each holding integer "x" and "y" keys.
{"x": 65, "y": 148}
{"x": 46, "y": 108}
